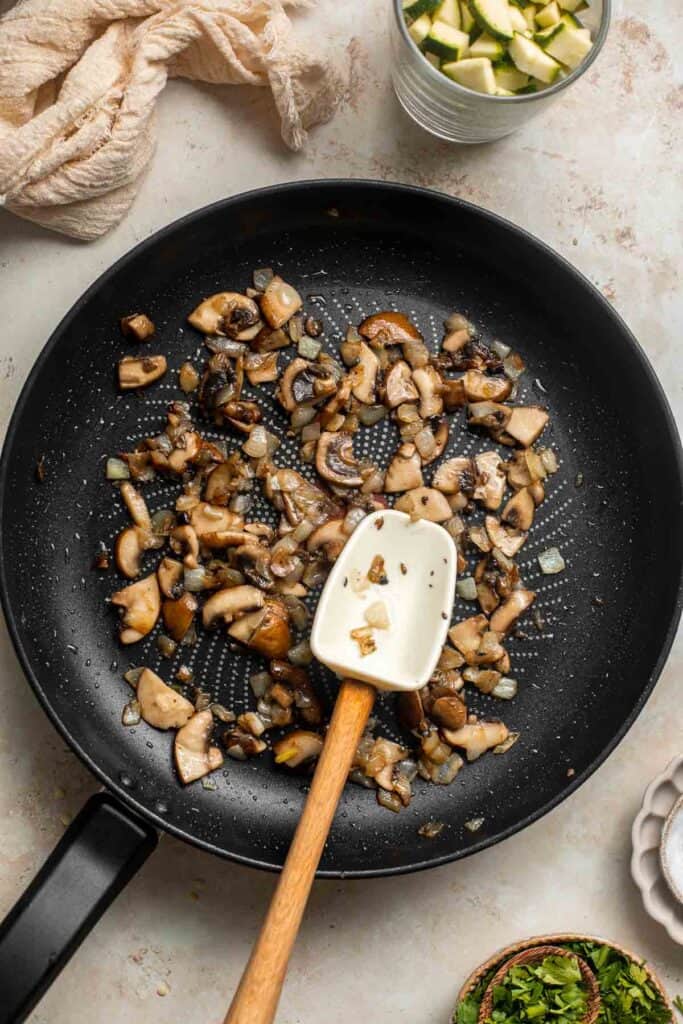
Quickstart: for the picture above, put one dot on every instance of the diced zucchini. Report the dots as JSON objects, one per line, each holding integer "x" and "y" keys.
{"x": 474, "y": 73}
{"x": 419, "y": 30}
{"x": 530, "y": 16}
{"x": 544, "y": 37}
{"x": 433, "y": 60}
{"x": 570, "y": 5}
{"x": 485, "y": 46}
{"x": 527, "y": 89}
{"x": 494, "y": 17}
{"x": 570, "y": 20}
{"x": 467, "y": 21}
{"x": 517, "y": 20}
{"x": 414, "y": 8}
{"x": 446, "y": 42}
{"x": 510, "y": 78}
{"x": 569, "y": 46}
{"x": 449, "y": 11}
{"x": 548, "y": 15}
{"x": 504, "y": 92}
{"x": 532, "y": 60}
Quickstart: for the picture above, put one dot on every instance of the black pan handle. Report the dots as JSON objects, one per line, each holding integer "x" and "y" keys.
{"x": 97, "y": 855}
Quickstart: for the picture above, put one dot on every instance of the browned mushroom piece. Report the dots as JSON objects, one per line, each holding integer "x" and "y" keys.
{"x": 141, "y": 604}
{"x": 405, "y": 470}
{"x": 228, "y": 313}
{"x": 207, "y": 519}
{"x": 390, "y": 328}
{"x": 136, "y": 505}
{"x": 455, "y": 476}
{"x": 425, "y": 503}
{"x": 479, "y": 387}
{"x": 129, "y": 548}
{"x": 490, "y": 415}
{"x": 261, "y": 367}
{"x": 266, "y": 630}
{"x": 138, "y": 326}
{"x": 537, "y": 492}
{"x": 466, "y": 635}
{"x": 306, "y": 700}
{"x": 329, "y": 538}
{"x": 241, "y": 744}
{"x": 335, "y": 461}
{"x": 186, "y": 451}
{"x": 364, "y": 375}
{"x": 490, "y": 486}
{"x": 193, "y": 752}
{"x": 487, "y": 597}
{"x": 453, "y": 393}
{"x": 280, "y": 302}
{"x": 485, "y": 679}
{"x": 298, "y": 498}
{"x": 160, "y": 705}
{"x": 297, "y": 748}
{"x": 139, "y": 372}
{"x": 449, "y": 659}
{"x": 410, "y": 710}
{"x": 449, "y": 711}
{"x": 178, "y": 614}
{"x": 399, "y": 386}
{"x": 505, "y": 538}
{"x": 184, "y": 542}
{"x": 429, "y": 385}
{"x": 519, "y": 511}
{"x": 170, "y": 577}
{"x": 304, "y": 383}
{"x": 511, "y": 609}
{"x": 526, "y": 424}
{"x": 225, "y": 605}
{"x": 477, "y": 738}
{"x": 455, "y": 340}
{"x": 524, "y": 468}
{"x": 440, "y": 440}
{"x": 221, "y": 383}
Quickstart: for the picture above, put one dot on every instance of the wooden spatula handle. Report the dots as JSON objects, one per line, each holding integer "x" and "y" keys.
{"x": 256, "y": 999}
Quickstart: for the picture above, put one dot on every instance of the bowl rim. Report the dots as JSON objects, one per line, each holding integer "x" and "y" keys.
{"x": 557, "y": 938}
{"x": 553, "y": 90}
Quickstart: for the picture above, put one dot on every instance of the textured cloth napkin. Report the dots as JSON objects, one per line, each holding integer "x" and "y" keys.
{"x": 79, "y": 81}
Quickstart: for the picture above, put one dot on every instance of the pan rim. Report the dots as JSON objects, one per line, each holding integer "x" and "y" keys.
{"x": 358, "y": 185}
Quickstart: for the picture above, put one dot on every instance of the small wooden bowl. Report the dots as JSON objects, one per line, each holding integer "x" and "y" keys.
{"x": 534, "y": 955}
{"x": 504, "y": 955}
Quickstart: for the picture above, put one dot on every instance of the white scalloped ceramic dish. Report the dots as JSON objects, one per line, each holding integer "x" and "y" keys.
{"x": 661, "y": 796}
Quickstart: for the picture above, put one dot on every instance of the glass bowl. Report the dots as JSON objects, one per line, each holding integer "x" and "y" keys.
{"x": 456, "y": 114}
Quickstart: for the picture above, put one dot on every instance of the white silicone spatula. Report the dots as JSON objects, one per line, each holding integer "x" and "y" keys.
{"x": 410, "y": 591}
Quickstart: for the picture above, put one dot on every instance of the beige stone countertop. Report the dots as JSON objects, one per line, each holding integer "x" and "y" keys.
{"x": 598, "y": 177}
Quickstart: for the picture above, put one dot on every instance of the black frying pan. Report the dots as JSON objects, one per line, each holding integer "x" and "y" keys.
{"x": 351, "y": 248}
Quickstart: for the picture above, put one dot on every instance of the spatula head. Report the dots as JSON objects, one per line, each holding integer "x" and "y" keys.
{"x": 395, "y": 568}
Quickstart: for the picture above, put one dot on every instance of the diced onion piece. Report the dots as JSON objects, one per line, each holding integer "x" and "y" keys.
{"x": 501, "y": 349}
{"x": 551, "y": 561}
{"x": 131, "y": 713}
{"x": 371, "y": 414}
{"x": 466, "y": 588}
{"x": 256, "y": 445}
{"x": 377, "y": 616}
{"x": 117, "y": 470}
{"x": 474, "y": 824}
{"x": 132, "y": 675}
{"x": 513, "y": 366}
{"x": 549, "y": 460}
{"x": 352, "y": 518}
{"x": 302, "y": 415}
{"x": 503, "y": 747}
{"x": 506, "y": 689}
{"x": 260, "y": 682}
{"x": 309, "y": 348}
{"x": 300, "y": 654}
{"x": 195, "y": 580}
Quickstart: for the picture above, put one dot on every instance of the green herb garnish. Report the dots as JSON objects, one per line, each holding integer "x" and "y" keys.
{"x": 551, "y": 990}
{"x": 628, "y": 996}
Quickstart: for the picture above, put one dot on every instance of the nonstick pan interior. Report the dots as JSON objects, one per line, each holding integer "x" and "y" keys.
{"x": 352, "y": 249}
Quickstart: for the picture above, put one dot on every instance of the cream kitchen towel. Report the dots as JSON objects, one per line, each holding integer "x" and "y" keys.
{"x": 79, "y": 81}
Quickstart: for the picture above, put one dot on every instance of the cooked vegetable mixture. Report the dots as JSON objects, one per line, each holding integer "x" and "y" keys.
{"x": 627, "y": 993}
{"x": 218, "y": 568}
{"x": 498, "y": 47}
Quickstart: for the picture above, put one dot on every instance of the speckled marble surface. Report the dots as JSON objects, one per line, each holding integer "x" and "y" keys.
{"x": 599, "y": 178}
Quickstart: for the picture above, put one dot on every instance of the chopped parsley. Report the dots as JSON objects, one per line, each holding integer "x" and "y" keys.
{"x": 628, "y": 995}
